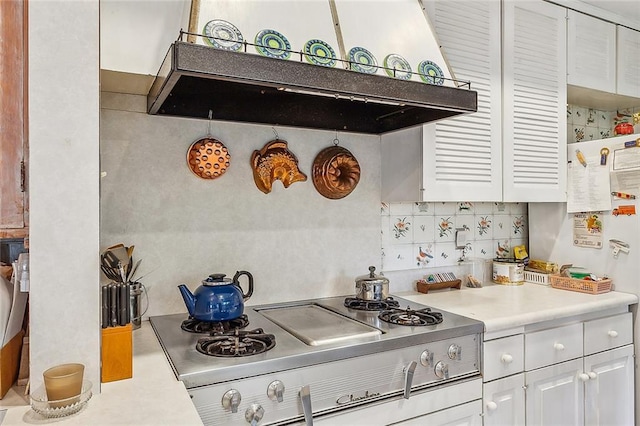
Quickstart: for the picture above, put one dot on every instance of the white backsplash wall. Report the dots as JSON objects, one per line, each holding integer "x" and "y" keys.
{"x": 296, "y": 243}
{"x": 419, "y": 238}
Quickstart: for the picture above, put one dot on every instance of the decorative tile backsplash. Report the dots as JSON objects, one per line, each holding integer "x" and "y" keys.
{"x": 586, "y": 124}
{"x": 423, "y": 235}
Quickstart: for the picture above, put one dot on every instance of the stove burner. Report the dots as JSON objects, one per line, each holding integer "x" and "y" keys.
{"x": 370, "y": 305}
{"x": 410, "y": 317}
{"x": 193, "y": 325}
{"x": 236, "y": 343}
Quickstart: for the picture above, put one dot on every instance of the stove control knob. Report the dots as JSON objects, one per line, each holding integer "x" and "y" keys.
{"x": 442, "y": 370}
{"x": 275, "y": 391}
{"x": 426, "y": 358}
{"x": 455, "y": 352}
{"x": 231, "y": 399}
{"x": 254, "y": 414}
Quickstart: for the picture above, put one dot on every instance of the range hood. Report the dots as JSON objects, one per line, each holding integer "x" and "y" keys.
{"x": 199, "y": 81}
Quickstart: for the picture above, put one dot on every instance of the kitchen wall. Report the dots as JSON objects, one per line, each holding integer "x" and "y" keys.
{"x": 295, "y": 242}
{"x": 587, "y": 124}
{"x": 419, "y": 238}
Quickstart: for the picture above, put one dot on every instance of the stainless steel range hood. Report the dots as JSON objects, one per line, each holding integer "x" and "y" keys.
{"x": 195, "y": 79}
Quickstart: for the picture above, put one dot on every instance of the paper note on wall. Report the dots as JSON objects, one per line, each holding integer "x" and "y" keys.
{"x": 588, "y": 188}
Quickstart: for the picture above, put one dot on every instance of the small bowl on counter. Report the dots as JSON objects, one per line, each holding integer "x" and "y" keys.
{"x": 63, "y": 407}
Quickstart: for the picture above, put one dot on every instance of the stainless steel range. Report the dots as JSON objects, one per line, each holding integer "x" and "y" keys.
{"x": 336, "y": 361}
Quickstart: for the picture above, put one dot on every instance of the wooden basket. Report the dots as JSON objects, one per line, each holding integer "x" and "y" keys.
{"x": 582, "y": 286}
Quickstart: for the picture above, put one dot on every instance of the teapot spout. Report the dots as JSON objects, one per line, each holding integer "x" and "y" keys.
{"x": 189, "y": 299}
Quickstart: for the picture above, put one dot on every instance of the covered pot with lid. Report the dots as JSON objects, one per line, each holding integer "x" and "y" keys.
{"x": 372, "y": 286}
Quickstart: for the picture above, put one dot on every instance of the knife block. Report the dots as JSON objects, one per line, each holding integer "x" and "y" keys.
{"x": 117, "y": 353}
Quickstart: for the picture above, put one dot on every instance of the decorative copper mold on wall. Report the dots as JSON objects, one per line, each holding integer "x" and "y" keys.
{"x": 335, "y": 172}
{"x": 208, "y": 158}
{"x": 275, "y": 162}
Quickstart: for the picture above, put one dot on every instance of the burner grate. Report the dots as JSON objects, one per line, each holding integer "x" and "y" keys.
{"x": 370, "y": 305}
{"x": 193, "y": 325}
{"x": 411, "y": 317}
{"x": 236, "y": 343}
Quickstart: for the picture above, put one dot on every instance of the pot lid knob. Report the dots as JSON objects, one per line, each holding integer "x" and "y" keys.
{"x": 216, "y": 279}
{"x": 372, "y": 271}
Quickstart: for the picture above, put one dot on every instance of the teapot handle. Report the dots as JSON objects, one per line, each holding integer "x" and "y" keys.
{"x": 248, "y": 294}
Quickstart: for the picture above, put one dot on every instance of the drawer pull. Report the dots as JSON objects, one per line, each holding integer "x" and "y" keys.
{"x": 558, "y": 346}
{"x": 592, "y": 374}
{"x": 612, "y": 333}
{"x": 491, "y": 406}
{"x": 506, "y": 358}
{"x": 583, "y": 377}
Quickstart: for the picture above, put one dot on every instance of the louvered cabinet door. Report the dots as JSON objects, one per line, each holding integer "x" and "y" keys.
{"x": 535, "y": 97}
{"x": 462, "y": 155}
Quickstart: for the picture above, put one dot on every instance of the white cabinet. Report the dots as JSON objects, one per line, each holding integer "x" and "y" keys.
{"x": 555, "y": 395}
{"x": 513, "y": 148}
{"x": 535, "y": 97}
{"x": 572, "y": 372}
{"x": 609, "y": 390}
{"x": 603, "y": 56}
{"x": 628, "y": 52}
{"x": 458, "y": 158}
{"x": 591, "y": 59}
{"x": 504, "y": 403}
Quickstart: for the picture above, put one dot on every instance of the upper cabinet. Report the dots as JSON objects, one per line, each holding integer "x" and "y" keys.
{"x": 628, "y": 73}
{"x": 13, "y": 211}
{"x": 603, "y": 70}
{"x": 513, "y": 148}
{"x": 457, "y": 158}
{"x": 591, "y": 60}
{"x": 535, "y": 98}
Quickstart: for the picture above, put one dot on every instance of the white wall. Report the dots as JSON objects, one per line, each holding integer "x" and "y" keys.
{"x": 295, "y": 242}
{"x": 63, "y": 186}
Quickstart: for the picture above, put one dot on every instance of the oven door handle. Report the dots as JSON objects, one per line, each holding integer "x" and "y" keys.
{"x": 408, "y": 378}
{"x": 305, "y": 398}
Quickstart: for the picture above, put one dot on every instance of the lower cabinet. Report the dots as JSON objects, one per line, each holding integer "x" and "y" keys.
{"x": 555, "y": 395}
{"x": 608, "y": 393}
{"x": 504, "y": 401}
{"x": 595, "y": 387}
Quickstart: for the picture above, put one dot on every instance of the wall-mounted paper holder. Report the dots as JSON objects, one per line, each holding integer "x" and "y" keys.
{"x": 618, "y": 246}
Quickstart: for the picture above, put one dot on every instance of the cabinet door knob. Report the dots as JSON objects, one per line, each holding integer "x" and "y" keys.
{"x": 583, "y": 377}
{"x": 612, "y": 333}
{"x": 592, "y": 374}
{"x": 506, "y": 358}
{"x": 558, "y": 346}
{"x": 491, "y": 406}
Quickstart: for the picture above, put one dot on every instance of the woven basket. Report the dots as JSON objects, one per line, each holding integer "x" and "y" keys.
{"x": 582, "y": 286}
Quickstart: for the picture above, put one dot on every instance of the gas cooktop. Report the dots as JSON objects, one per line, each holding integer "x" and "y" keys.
{"x": 306, "y": 333}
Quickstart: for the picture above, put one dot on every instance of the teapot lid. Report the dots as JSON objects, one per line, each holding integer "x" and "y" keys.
{"x": 217, "y": 279}
{"x": 371, "y": 277}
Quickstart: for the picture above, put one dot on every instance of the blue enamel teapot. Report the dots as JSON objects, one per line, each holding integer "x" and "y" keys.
{"x": 218, "y": 298}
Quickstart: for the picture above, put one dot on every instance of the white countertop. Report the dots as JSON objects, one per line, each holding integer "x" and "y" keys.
{"x": 503, "y": 307}
{"x": 153, "y": 396}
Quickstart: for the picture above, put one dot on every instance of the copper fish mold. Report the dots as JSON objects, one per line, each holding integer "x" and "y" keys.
{"x": 275, "y": 162}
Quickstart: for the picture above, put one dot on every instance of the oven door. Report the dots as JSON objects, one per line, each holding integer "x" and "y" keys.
{"x": 459, "y": 403}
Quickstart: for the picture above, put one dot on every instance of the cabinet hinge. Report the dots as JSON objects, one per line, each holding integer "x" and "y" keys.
{"x": 22, "y": 176}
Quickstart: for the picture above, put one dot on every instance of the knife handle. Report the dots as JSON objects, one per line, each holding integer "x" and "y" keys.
{"x": 105, "y": 306}
{"x": 113, "y": 300}
{"x": 122, "y": 305}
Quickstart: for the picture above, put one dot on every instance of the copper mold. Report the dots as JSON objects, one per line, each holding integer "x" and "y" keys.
{"x": 335, "y": 172}
{"x": 208, "y": 158}
{"x": 275, "y": 162}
